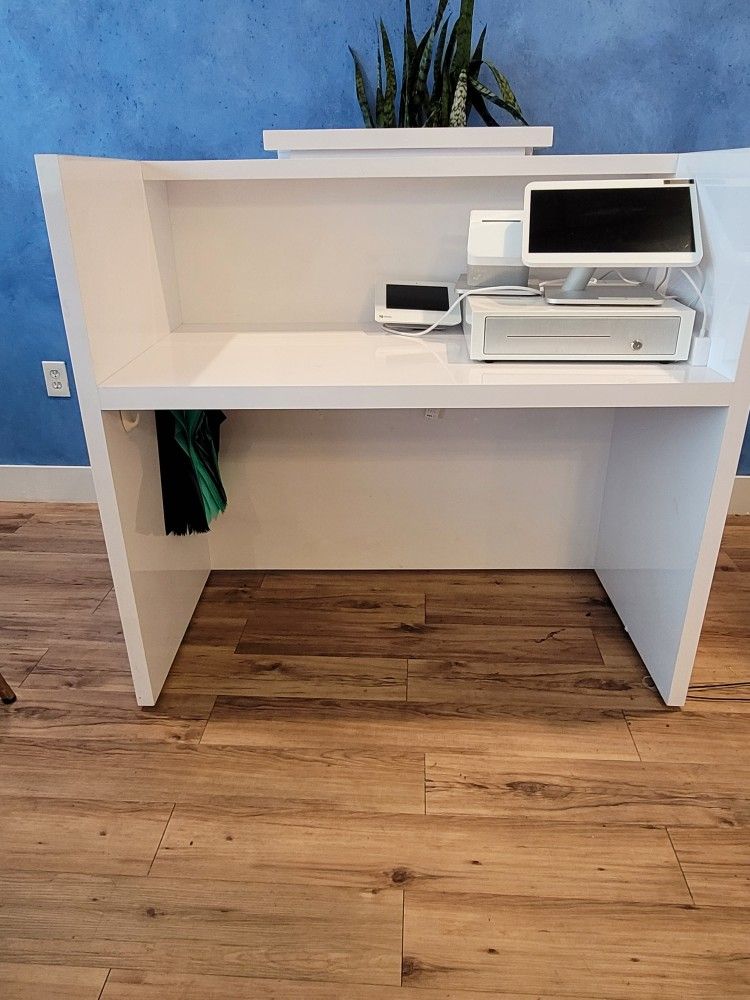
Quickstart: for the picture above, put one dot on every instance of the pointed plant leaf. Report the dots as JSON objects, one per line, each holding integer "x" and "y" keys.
{"x": 464, "y": 26}
{"x": 458, "y": 108}
{"x": 492, "y": 97}
{"x": 359, "y": 82}
{"x": 477, "y": 102}
{"x": 420, "y": 86}
{"x": 389, "y": 94}
{"x": 409, "y": 38}
{"x": 478, "y": 54}
{"x": 506, "y": 91}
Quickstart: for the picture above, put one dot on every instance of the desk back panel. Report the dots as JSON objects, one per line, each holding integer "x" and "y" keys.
{"x": 309, "y": 252}
{"x": 377, "y": 489}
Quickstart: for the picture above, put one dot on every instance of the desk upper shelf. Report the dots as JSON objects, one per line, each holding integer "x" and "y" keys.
{"x": 471, "y": 164}
{"x": 207, "y": 367}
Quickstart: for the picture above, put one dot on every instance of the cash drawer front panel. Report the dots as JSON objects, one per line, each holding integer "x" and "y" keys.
{"x": 579, "y": 335}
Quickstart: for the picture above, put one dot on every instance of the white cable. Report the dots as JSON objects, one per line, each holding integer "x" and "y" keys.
{"x": 513, "y": 290}
{"x": 699, "y": 297}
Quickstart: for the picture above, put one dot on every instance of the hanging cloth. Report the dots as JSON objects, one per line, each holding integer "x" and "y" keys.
{"x": 191, "y": 487}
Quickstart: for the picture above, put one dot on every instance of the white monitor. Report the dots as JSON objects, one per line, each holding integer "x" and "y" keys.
{"x": 584, "y": 225}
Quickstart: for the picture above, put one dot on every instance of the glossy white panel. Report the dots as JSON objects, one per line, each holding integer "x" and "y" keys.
{"x": 661, "y": 474}
{"x": 115, "y": 259}
{"x": 165, "y": 574}
{"x": 423, "y": 165}
{"x": 347, "y": 369}
{"x": 390, "y": 489}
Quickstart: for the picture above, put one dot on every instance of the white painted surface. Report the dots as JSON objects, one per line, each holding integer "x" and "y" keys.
{"x": 50, "y": 483}
{"x": 331, "y": 490}
{"x": 166, "y": 573}
{"x": 342, "y": 141}
{"x": 740, "y": 502}
{"x": 115, "y": 259}
{"x": 355, "y": 369}
{"x": 424, "y": 165}
{"x": 670, "y": 480}
{"x": 115, "y": 475}
{"x": 294, "y": 248}
{"x": 661, "y": 473}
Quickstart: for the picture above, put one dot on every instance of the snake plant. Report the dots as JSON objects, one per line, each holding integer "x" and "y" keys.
{"x": 440, "y": 82}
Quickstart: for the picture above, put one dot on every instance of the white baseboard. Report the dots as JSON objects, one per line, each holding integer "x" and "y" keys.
{"x": 52, "y": 483}
{"x": 740, "y": 502}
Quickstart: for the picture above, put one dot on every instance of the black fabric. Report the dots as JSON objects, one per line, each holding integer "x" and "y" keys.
{"x": 184, "y": 508}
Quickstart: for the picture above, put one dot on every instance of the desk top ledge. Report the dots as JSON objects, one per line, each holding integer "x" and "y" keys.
{"x": 422, "y": 165}
{"x": 210, "y": 366}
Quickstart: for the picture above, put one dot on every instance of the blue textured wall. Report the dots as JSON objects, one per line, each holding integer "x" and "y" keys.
{"x": 201, "y": 78}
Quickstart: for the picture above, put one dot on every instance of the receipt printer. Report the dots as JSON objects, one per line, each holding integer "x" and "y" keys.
{"x": 495, "y": 248}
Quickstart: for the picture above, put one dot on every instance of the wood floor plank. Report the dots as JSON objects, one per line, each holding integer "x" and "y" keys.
{"x": 18, "y": 659}
{"x": 716, "y": 864}
{"x": 208, "y": 669}
{"x": 432, "y": 853}
{"x": 522, "y": 730}
{"x": 430, "y": 581}
{"x": 466, "y": 682}
{"x": 110, "y": 716}
{"x": 80, "y": 835}
{"x": 280, "y": 630}
{"x": 12, "y": 517}
{"x": 548, "y": 599}
{"x": 682, "y": 736}
{"x": 721, "y": 658}
{"x": 57, "y": 982}
{"x": 197, "y": 926}
{"x": 124, "y": 984}
{"x": 587, "y": 791}
{"x": 729, "y": 604}
{"x": 59, "y": 623}
{"x": 383, "y": 781}
{"x": 638, "y": 952}
{"x": 335, "y": 610}
{"x": 731, "y": 696}
{"x": 736, "y": 542}
{"x": 66, "y": 570}
{"x": 78, "y": 666}
{"x": 222, "y": 630}
{"x": 244, "y": 578}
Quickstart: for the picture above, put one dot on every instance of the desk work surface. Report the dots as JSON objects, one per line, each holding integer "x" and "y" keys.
{"x": 223, "y": 366}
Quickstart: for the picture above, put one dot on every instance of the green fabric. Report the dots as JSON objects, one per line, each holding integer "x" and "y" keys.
{"x": 193, "y": 437}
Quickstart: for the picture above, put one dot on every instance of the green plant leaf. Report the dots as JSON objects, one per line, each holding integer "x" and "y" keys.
{"x": 439, "y": 13}
{"x": 420, "y": 86}
{"x": 478, "y": 55}
{"x": 506, "y": 92}
{"x": 409, "y": 39}
{"x": 359, "y": 82}
{"x": 379, "y": 114}
{"x": 464, "y": 26}
{"x": 490, "y": 95}
{"x": 444, "y": 97}
{"x": 458, "y": 108}
{"x": 389, "y": 94}
{"x": 477, "y": 102}
{"x": 439, "y": 50}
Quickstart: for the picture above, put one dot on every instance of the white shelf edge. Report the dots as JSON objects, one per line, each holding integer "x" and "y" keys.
{"x": 388, "y": 140}
{"x": 424, "y": 165}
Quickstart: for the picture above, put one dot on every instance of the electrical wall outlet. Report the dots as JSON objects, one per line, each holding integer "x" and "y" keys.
{"x": 56, "y": 378}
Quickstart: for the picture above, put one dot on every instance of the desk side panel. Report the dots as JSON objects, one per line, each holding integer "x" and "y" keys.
{"x": 110, "y": 222}
{"x": 149, "y": 572}
{"x": 165, "y": 573}
{"x": 661, "y": 475}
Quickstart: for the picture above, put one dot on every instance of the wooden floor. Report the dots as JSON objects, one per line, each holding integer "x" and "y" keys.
{"x": 366, "y": 786}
